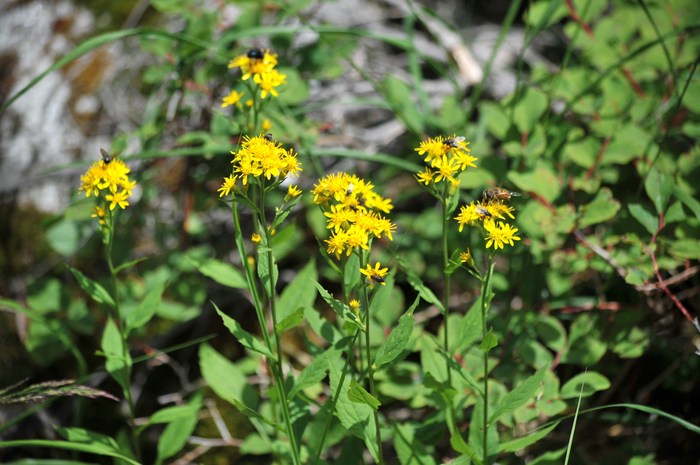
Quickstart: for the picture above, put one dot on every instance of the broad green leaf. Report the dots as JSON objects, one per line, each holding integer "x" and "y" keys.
{"x": 296, "y": 89}
{"x": 659, "y": 186}
{"x": 226, "y": 379}
{"x": 168, "y": 414}
{"x": 321, "y": 326}
{"x": 644, "y": 216}
{"x": 290, "y": 321}
{"x": 359, "y": 395}
{"x": 686, "y": 249}
{"x": 409, "y": 450}
{"x": 395, "y": 344}
{"x": 541, "y": 180}
{"x": 522, "y": 442}
{"x": 300, "y": 292}
{"x": 222, "y": 273}
{"x": 142, "y": 314}
{"x": 529, "y": 109}
{"x": 118, "y": 363}
{"x": 688, "y": 200}
{"x": 176, "y": 434}
{"x": 457, "y": 442}
{"x": 469, "y": 328}
{"x": 628, "y": 143}
{"x": 521, "y": 393}
{"x": 356, "y": 418}
{"x": 592, "y": 382}
{"x": 551, "y": 332}
{"x": 351, "y": 273}
{"x": 46, "y": 339}
{"x": 98, "y": 293}
{"x": 497, "y": 121}
{"x": 64, "y": 237}
{"x": 601, "y": 209}
{"x": 246, "y": 339}
{"x": 582, "y": 152}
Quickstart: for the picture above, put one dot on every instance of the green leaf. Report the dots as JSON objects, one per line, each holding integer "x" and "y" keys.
{"x": 299, "y": 293}
{"x": 469, "y": 327}
{"x": 356, "y": 418}
{"x": 409, "y": 450}
{"x": 522, "y": 393}
{"x": 119, "y": 362}
{"x": 359, "y": 395}
{"x": 423, "y": 291}
{"x": 659, "y": 186}
{"x": 592, "y": 382}
{"x": 497, "y": 121}
{"x": 351, "y": 272}
{"x": 176, "y": 434}
{"x": 400, "y": 97}
{"x": 290, "y": 321}
{"x": 222, "y": 273}
{"x": 295, "y": 91}
{"x": 489, "y": 342}
{"x": 529, "y": 109}
{"x": 551, "y": 331}
{"x": 601, "y": 209}
{"x": 522, "y": 442}
{"x": 148, "y": 307}
{"x": 316, "y": 370}
{"x": 64, "y": 237}
{"x": 226, "y": 379}
{"x": 644, "y": 216}
{"x": 98, "y": 293}
{"x": 628, "y": 143}
{"x": 268, "y": 275}
{"x": 688, "y": 200}
{"x": 246, "y": 339}
{"x": 340, "y": 308}
{"x": 686, "y": 249}
{"x": 395, "y": 344}
{"x": 541, "y": 180}
{"x": 90, "y": 448}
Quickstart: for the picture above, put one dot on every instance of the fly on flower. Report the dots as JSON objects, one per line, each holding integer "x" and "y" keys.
{"x": 498, "y": 194}
{"x": 106, "y": 157}
{"x": 255, "y": 54}
{"x": 483, "y": 211}
{"x": 454, "y": 141}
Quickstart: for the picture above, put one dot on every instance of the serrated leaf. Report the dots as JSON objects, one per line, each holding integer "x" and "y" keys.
{"x": 520, "y": 394}
{"x": 246, "y": 339}
{"x": 644, "y": 216}
{"x": 359, "y": 395}
{"x": 340, "y": 308}
{"x": 290, "y": 321}
{"x": 592, "y": 382}
{"x": 659, "y": 186}
{"x": 98, "y": 293}
{"x": 222, "y": 273}
{"x": 395, "y": 344}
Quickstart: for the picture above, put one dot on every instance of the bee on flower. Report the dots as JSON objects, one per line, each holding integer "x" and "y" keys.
{"x": 260, "y": 65}
{"x": 375, "y": 275}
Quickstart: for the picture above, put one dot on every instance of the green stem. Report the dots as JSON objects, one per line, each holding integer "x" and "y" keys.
{"x": 446, "y": 279}
{"x": 370, "y": 366}
{"x": 279, "y": 369}
{"x": 124, "y": 337}
{"x": 485, "y": 304}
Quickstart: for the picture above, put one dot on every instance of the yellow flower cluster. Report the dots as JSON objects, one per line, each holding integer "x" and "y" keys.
{"x": 108, "y": 180}
{"x": 446, "y": 158}
{"x": 352, "y": 208}
{"x": 485, "y": 213}
{"x": 260, "y": 65}
{"x": 261, "y": 156}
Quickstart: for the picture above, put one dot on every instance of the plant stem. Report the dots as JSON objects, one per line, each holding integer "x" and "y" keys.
{"x": 446, "y": 279}
{"x": 485, "y": 304}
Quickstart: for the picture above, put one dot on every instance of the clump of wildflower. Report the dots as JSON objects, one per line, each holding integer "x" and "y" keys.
{"x": 260, "y": 65}
{"x": 445, "y": 158}
{"x": 260, "y": 157}
{"x": 108, "y": 181}
{"x": 375, "y": 275}
{"x": 353, "y": 211}
{"x": 484, "y": 214}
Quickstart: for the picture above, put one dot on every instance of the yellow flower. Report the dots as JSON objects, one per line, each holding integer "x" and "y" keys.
{"x": 499, "y": 235}
{"x": 445, "y": 158}
{"x": 261, "y": 156}
{"x": 375, "y": 275}
{"x": 268, "y": 81}
{"x": 354, "y": 304}
{"x": 252, "y": 64}
{"x": 99, "y": 212}
{"x": 228, "y": 184}
{"x": 233, "y": 98}
{"x": 266, "y": 125}
{"x": 293, "y": 191}
{"x": 107, "y": 180}
{"x": 466, "y": 257}
{"x": 426, "y": 177}
{"x": 256, "y": 238}
{"x": 118, "y": 198}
